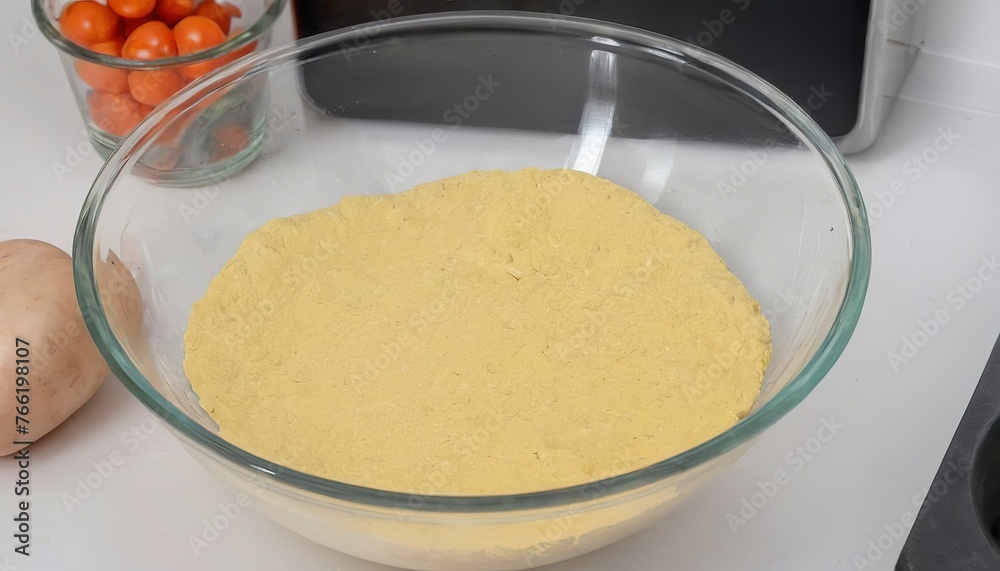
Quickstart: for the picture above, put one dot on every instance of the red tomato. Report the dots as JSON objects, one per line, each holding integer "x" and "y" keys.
{"x": 231, "y": 138}
{"x": 154, "y": 86}
{"x": 194, "y": 34}
{"x": 179, "y": 121}
{"x": 231, "y": 134}
{"x": 247, "y": 49}
{"x": 173, "y": 11}
{"x": 131, "y": 24}
{"x": 132, "y": 8}
{"x": 116, "y": 113}
{"x": 197, "y": 33}
{"x": 88, "y": 23}
{"x": 102, "y": 77}
{"x": 221, "y": 14}
{"x": 197, "y": 70}
{"x": 152, "y": 40}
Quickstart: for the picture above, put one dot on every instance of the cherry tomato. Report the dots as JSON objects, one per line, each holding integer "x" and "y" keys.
{"x": 102, "y": 77}
{"x": 173, "y": 11}
{"x": 194, "y": 34}
{"x": 231, "y": 134}
{"x": 231, "y": 138}
{"x": 221, "y": 14}
{"x": 132, "y": 8}
{"x": 154, "y": 86}
{"x": 179, "y": 121}
{"x": 130, "y": 24}
{"x": 116, "y": 113}
{"x": 197, "y": 33}
{"x": 88, "y": 23}
{"x": 247, "y": 49}
{"x": 152, "y": 40}
{"x": 197, "y": 70}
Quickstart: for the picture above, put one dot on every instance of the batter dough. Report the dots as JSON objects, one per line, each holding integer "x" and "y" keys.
{"x": 489, "y": 333}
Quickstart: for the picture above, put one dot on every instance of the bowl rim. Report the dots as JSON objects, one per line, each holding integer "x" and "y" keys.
{"x": 263, "y": 24}
{"x": 560, "y": 26}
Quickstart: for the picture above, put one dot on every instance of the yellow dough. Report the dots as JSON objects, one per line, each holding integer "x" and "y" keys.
{"x": 490, "y": 333}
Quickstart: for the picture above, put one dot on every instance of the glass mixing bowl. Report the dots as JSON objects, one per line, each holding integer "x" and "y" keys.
{"x": 382, "y": 108}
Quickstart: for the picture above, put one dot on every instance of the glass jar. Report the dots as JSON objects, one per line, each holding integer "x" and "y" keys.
{"x": 114, "y": 93}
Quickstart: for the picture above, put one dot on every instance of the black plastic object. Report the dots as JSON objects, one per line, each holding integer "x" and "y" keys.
{"x": 812, "y": 50}
{"x": 427, "y": 77}
{"x": 958, "y": 526}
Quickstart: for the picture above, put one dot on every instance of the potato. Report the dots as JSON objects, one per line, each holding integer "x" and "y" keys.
{"x": 41, "y": 323}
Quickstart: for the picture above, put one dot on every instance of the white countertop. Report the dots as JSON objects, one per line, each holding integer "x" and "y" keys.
{"x": 872, "y": 473}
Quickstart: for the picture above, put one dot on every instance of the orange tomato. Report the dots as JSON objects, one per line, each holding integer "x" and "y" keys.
{"x": 173, "y": 11}
{"x": 102, "y": 77}
{"x": 152, "y": 40}
{"x": 154, "y": 86}
{"x": 247, "y": 49}
{"x": 231, "y": 138}
{"x": 130, "y": 24}
{"x": 87, "y": 23}
{"x": 179, "y": 121}
{"x": 194, "y": 34}
{"x": 221, "y": 14}
{"x": 115, "y": 113}
{"x": 132, "y": 8}
{"x": 197, "y": 33}
{"x": 231, "y": 134}
{"x": 197, "y": 70}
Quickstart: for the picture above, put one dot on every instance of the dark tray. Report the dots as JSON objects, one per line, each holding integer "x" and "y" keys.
{"x": 394, "y": 80}
{"x": 958, "y": 526}
{"x": 805, "y": 48}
